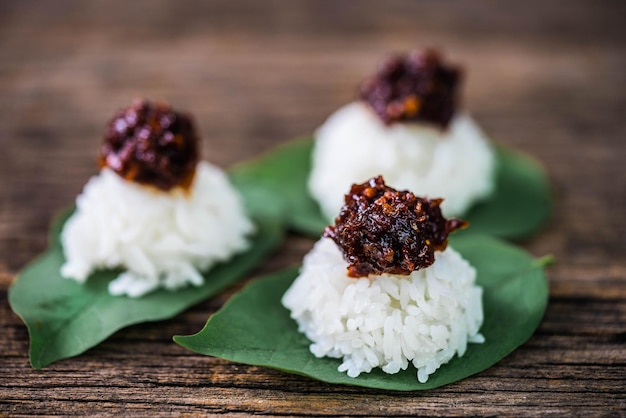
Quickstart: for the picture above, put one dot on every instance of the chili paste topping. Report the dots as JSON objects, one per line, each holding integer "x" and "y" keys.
{"x": 413, "y": 87}
{"x": 382, "y": 230}
{"x": 150, "y": 144}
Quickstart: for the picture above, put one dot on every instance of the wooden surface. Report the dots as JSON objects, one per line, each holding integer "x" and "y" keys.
{"x": 545, "y": 77}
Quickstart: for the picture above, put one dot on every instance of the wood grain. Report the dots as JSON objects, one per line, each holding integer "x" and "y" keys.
{"x": 545, "y": 77}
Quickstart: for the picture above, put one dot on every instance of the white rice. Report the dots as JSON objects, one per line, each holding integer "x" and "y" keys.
{"x": 163, "y": 239}
{"x": 386, "y": 321}
{"x": 354, "y": 145}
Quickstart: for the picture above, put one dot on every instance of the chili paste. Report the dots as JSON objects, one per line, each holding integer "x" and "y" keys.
{"x": 382, "y": 230}
{"x": 413, "y": 87}
{"x": 150, "y": 144}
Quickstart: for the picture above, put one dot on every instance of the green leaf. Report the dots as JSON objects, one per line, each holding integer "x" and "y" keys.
{"x": 521, "y": 203}
{"x": 254, "y": 328}
{"x": 65, "y": 318}
{"x": 275, "y": 184}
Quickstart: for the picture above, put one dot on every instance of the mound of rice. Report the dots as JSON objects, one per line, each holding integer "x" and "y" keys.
{"x": 353, "y": 144}
{"x": 386, "y": 321}
{"x": 163, "y": 239}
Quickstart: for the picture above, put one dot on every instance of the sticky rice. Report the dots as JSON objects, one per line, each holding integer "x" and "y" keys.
{"x": 162, "y": 239}
{"x": 386, "y": 321}
{"x": 456, "y": 164}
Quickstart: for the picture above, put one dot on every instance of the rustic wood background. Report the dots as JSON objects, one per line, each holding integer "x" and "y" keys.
{"x": 548, "y": 78}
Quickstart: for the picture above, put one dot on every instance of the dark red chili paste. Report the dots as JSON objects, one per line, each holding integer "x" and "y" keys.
{"x": 151, "y": 144}
{"x": 382, "y": 230}
{"x": 413, "y": 87}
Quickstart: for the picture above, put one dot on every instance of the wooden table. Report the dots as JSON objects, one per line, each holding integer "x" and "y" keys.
{"x": 548, "y": 78}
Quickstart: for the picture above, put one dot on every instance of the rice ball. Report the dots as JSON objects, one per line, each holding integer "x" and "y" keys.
{"x": 382, "y": 288}
{"x": 407, "y": 127}
{"x": 456, "y": 164}
{"x": 153, "y": 210}
{"x": 386, "y": 321}
{"x": 163, "y": 240}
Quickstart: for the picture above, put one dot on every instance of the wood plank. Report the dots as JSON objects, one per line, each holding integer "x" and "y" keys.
{"x": 545, "y": 77}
